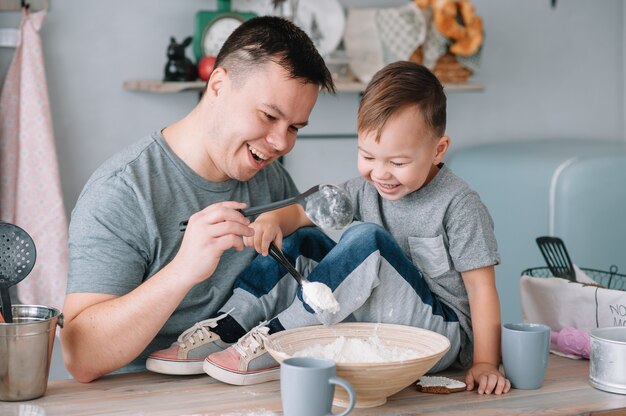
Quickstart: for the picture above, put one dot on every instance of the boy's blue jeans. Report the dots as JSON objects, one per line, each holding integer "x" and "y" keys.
{"x": 371, "y": 278}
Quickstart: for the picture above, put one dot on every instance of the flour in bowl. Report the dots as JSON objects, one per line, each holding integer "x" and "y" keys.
{"x": 358, "y": 350}
{"x": 319, "y": 297}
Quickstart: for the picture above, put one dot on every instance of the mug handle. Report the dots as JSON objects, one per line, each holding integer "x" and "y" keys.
{"x": 347, "y": 387}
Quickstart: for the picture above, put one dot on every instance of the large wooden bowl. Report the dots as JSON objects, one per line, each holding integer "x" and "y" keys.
{"x": 372, "y": 382}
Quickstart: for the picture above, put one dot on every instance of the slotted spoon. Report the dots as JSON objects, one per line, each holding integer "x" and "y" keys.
{"x": 556, "y": 256}
{"x": 17, "y": 258}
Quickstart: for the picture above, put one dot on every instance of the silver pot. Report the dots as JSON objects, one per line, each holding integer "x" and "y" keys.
{"x": 607, "y": 360}
{"x": 25, "y": 351}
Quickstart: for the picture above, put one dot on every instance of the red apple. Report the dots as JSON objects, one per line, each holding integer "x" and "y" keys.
{"x": 205, "y": 67}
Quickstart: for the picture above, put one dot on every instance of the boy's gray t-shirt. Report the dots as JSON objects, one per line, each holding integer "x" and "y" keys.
{"x": 444, "y": 228}
{"x": 125, "y": 228}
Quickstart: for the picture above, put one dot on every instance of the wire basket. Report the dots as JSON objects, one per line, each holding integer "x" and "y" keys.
{"x": 608, "y": 280}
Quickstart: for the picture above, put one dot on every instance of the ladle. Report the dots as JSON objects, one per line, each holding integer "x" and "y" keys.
{"x": 327, "y": 206}
{"x": 249, "y": 212}
{"x": 17, "y": 258}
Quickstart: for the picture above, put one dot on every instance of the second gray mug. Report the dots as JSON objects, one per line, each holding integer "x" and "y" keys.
{"x": 525, "y": 351}
{"x": 307, "y": 387}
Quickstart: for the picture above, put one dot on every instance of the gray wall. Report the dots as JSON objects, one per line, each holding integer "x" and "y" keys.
{"x": 548, "y": 73}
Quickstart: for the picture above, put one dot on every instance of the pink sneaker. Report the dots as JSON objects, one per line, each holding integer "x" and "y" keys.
{"x": 187, "y": 354}
{"x": 244, "y": 363}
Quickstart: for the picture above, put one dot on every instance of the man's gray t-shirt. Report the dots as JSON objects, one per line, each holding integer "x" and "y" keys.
{"x": 444, "y": 228}
{"x": 125, "y": 228}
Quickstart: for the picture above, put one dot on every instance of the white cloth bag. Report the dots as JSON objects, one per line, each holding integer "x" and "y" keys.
{"x": 560, "y": 303}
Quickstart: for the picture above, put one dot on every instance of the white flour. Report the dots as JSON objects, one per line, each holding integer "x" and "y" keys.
{"x": 319, "y": 297}
{"x": 358, "y": 350}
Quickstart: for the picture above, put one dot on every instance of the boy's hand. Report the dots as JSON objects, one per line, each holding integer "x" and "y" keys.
{"x": 266, "y": 229}
{"x": 487, "y": 378}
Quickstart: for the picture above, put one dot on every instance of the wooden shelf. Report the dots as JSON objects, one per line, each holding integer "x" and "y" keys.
{"x": 163, "y": 87}
{"x": 342, "y": 86}
{"x": 16, "y": 5}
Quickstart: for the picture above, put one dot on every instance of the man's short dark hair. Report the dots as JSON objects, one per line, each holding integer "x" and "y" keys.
{"x": 273, "y": 39}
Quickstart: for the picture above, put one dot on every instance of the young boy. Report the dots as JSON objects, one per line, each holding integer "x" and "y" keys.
{"x": 424, "y": 255}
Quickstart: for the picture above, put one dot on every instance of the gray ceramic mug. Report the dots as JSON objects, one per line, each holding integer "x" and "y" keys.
{"x": 525, "y": 351}
{"x": 307, "y": 387}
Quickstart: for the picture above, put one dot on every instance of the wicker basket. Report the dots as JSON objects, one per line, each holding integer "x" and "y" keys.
{"x": 448, "y": 69}
{"x": 609, "y": 280}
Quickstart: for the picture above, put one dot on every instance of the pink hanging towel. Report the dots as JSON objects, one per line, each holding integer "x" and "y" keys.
{"x": 30, "y": 186}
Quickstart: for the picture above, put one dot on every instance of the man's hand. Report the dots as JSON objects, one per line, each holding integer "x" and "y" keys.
{"x": 209, "y": 234}
{"x": 487, "y": 378}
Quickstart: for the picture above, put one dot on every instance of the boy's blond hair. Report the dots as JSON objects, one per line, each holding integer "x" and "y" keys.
{"x": 396, "y": 86}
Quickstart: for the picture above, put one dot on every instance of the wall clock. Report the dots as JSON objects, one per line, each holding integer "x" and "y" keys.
{"x": 213, "y": 28}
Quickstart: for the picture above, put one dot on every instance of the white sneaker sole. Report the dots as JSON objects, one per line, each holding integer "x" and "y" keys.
{"x": 175, "y": 368}
{"x": 240, "y": 379}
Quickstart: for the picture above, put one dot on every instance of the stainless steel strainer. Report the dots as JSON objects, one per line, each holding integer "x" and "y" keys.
{"x": 17, "y": 258}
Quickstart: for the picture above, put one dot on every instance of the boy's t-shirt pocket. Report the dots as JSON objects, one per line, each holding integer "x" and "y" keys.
{"x": 429, "y": 255}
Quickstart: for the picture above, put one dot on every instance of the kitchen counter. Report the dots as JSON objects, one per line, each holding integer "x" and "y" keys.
{"x": 566, "y": 391}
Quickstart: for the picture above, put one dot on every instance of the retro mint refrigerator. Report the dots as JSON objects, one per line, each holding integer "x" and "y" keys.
{"x": 575, "y": 190}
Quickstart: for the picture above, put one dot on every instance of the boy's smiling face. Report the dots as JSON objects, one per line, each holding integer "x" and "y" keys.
{"x": 406, "y": 156}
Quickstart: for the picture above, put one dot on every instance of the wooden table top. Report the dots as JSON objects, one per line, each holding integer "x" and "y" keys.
{"x": 566, "y": 391}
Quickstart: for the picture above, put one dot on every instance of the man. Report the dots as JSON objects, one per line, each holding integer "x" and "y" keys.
{"x": 136, "y": 281}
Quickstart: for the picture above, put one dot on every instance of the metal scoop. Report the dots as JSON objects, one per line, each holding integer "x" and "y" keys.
{"x": 280, "y": 257}
{"x": 17, "y": 258}
{"x": 316, "y": 294}
{"x": 327, "y": 206}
